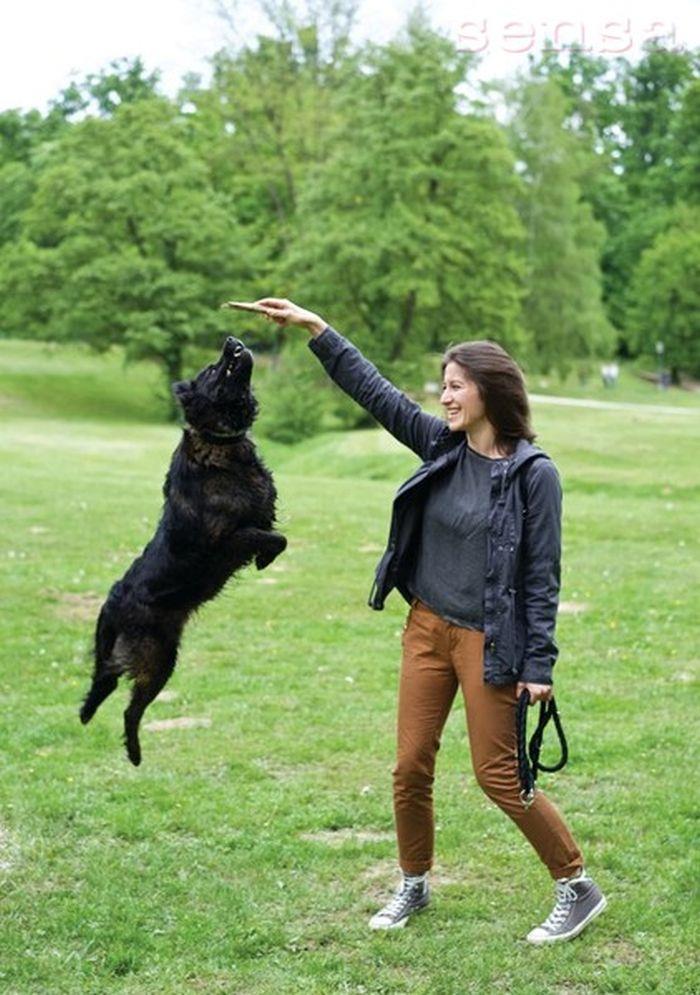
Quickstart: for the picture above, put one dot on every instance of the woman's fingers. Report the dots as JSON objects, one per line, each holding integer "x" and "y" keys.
{"x": 538, "y": 692}
{"x": 286, "y": 312}
{"x": 277, "y": 308}
{"x": 274, "y": 303}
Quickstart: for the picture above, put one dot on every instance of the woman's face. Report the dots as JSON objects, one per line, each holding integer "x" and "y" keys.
{"x": 461, "y": 399}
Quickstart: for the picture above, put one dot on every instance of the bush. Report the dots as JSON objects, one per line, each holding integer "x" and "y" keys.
{"x": 292, "y": 398}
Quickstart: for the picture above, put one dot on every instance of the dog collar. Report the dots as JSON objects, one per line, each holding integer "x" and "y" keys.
{"x": 217, "y": 438}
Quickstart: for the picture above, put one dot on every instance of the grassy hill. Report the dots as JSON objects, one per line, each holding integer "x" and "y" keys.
{"x": 248, "y": 851}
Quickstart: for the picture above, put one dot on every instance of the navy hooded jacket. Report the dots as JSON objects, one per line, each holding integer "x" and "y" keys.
{"x": 524, "y": 524}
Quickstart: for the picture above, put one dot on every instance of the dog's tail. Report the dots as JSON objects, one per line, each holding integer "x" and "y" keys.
{"x": 104, "y": 679}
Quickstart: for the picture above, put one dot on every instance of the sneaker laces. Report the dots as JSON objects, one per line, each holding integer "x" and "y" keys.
{"x": 566, "y": 896}
{"x": 400, "y": 900}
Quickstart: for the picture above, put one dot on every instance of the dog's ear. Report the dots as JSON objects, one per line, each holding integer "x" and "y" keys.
{"x": 183, "y": 391}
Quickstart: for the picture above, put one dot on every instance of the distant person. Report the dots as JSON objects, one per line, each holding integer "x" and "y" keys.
{"x": 610, "y": 373}
{"x": 474, "y": 547}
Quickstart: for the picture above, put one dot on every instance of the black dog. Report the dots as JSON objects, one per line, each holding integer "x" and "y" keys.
{"x": 218, "y": 516}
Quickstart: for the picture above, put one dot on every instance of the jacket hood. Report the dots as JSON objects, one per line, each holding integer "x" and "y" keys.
{"x": 524, "y": 452}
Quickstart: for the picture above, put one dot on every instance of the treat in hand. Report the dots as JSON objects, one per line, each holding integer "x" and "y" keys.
{"x": 245, "y": 306}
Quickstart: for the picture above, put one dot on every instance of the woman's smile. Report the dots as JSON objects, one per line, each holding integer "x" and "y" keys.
{"x": 460, "y": 398}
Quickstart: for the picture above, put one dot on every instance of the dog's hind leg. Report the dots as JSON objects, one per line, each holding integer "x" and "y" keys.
{"x": 147, "y": 685}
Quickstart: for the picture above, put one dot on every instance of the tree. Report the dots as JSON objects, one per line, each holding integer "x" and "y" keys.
{"x": 563, "y": 309}
{"x": 408, "y": 234}
{"x": 665, "y": 295}
{"x": 125, "y": 241}
{"x": 686, "y": 136}
{"x": 653, "y": 92}
{"x": 265, "y": 120}
{"x": 125, "y": 81}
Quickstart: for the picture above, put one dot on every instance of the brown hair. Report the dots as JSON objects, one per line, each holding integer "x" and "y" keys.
{"x": 501, "y": 386}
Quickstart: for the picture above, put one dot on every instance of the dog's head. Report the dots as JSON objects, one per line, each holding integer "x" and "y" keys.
{"x": 219, "y": 398}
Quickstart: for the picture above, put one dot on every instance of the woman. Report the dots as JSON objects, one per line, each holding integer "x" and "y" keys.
{"x": 474, "y": 547}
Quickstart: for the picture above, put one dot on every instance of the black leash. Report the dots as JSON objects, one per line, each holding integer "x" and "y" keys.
{"x": 529, "y": 757}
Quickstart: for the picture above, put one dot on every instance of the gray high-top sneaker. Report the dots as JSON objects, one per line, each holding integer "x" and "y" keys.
{"x": 411, "y": 896}
{"x": 579, "y": 901}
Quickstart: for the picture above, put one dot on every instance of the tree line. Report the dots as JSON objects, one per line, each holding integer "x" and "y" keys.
{"x": 558, "y": 214}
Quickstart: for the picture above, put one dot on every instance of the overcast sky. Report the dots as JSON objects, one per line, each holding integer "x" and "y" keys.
{"x": 45, "y": 43}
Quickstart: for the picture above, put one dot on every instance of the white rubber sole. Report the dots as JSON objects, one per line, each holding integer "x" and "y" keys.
{"x": 397, "y": 925}
{"x": 595, "y": 911}
{"x": 392, "y": 925}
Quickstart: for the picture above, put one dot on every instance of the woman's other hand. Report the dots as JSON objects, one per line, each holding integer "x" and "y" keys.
{"x": 285, "y": 312}
{"x": 538, "y": 692}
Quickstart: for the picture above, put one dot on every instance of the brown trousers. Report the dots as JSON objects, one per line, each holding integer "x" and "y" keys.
{"x": 437, "y": 658}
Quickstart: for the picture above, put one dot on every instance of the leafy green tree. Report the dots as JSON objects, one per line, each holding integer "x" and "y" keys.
{"x": 23, "y": 135}
{"x": 16, "y": 187}
{"x": 125, "y": 81}
{"x": 653, "y": 92}
{"x": 563, "y": 309}
{"x": 652, "y": 159}
{"x": 265, "y": 119}
{"x": 408, "y": 236}
{"x": 665, "y": 296}
{"x": 686, "y": 135}
{"x": 641, "y": 122}
{"x": 125, "y": 241}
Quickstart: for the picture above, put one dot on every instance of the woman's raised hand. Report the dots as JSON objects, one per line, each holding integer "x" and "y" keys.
{"x": 285, "y": 312}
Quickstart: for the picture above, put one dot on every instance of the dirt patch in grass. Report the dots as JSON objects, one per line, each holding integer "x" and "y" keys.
{"x": 384, "y": 874}
{"x": 7, "y": 848}
{"x": 686, "y": 674}
{"x": 623, "y": 952}
{"x": 572, "y": 607}
{"x": 77, "y": 606}
{"x": 181, "y": 722}
{"x": 166, "y": 696}
{"x": 336, "y": 837}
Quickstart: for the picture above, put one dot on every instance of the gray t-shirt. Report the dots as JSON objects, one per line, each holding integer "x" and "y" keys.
{"x": 450, "y": 566}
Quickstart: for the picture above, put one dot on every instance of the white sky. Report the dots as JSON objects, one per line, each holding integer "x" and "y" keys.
{"x": 43, "y": 43}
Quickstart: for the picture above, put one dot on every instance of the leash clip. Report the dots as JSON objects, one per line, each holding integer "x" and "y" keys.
{"x": 527, "y": 797}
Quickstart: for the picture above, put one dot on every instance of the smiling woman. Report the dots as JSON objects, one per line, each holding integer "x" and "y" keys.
{"x": 474, "y": 548}
{"x": 483, "y": 387}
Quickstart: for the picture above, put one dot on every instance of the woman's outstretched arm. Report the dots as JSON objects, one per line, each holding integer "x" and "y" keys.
{"x": 359, "y": 378}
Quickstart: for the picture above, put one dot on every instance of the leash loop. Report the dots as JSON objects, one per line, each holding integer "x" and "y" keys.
{"x": 529, "y": 764}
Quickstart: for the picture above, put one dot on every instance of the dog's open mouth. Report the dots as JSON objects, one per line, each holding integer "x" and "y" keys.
{"x": 232, "y": 355}
{"x": 235, "y": 359}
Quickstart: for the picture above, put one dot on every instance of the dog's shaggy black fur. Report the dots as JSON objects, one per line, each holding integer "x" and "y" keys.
{"x": 218, "y": 516}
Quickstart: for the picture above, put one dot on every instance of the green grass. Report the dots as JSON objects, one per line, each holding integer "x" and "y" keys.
{"x": 234, "y": 860}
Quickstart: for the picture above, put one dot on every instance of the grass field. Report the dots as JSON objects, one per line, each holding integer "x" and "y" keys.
{"x": 248, "y": 851}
